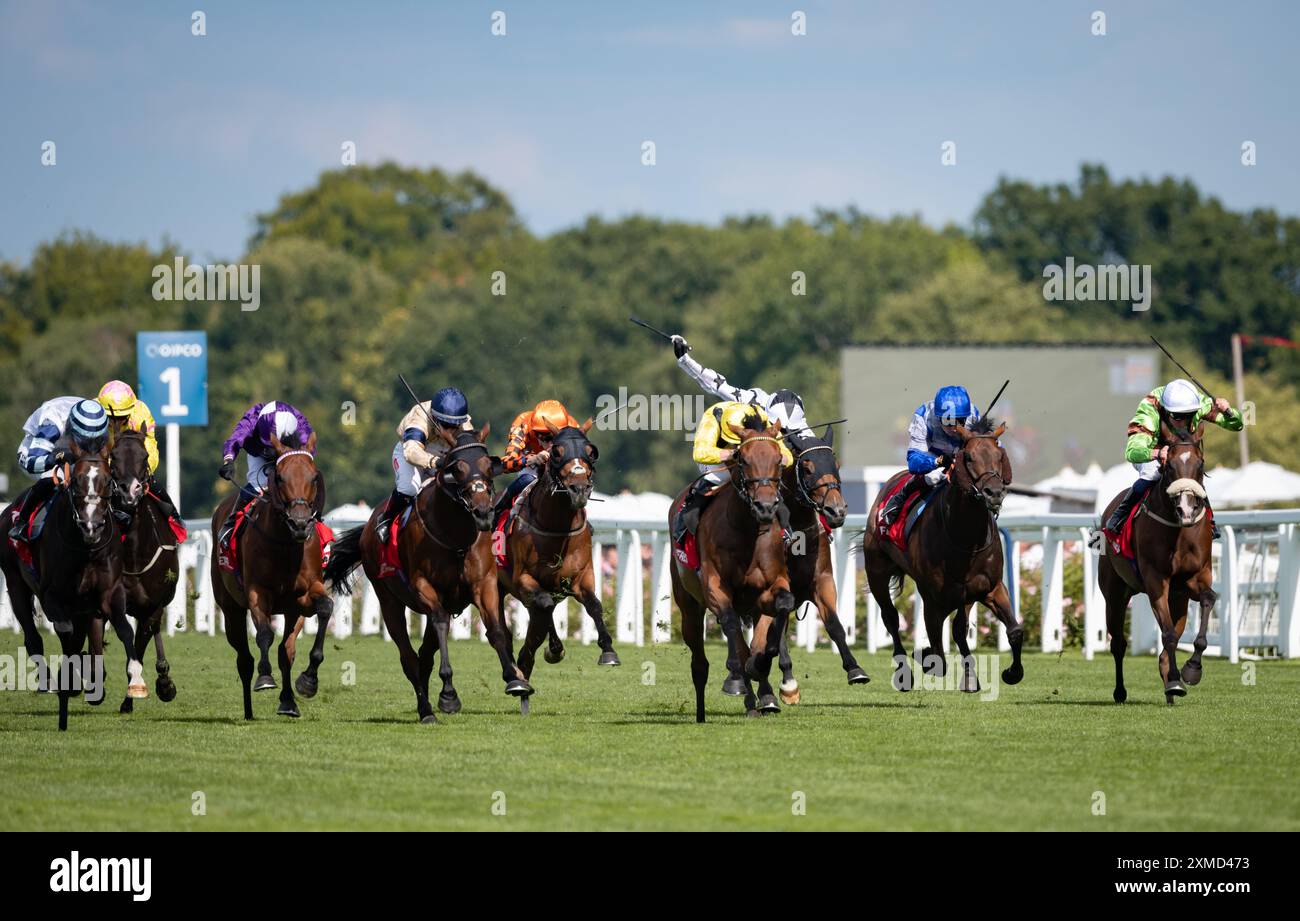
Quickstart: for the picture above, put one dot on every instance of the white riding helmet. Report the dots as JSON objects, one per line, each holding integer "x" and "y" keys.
{"x": 1180, "y": 396}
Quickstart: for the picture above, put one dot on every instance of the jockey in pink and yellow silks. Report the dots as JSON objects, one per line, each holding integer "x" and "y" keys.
{"x": 128, "y": 412}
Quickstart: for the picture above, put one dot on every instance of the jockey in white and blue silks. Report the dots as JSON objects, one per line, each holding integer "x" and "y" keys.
{"x": 48, "y": 433}
{"x": 932, "y": 442}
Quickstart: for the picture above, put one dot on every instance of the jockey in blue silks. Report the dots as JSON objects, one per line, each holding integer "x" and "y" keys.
{"x": 932, "y": 442}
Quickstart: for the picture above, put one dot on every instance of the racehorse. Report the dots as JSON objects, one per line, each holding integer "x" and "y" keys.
{"x": 445, "y": 552}
{"x": 742, "y": 568}
{"x": 150, "y": 561}
{"x": 80, "y": 583}
{"x": 549, "y": 547}
{"x": 954, "y": 557}
{"x": 277, "y": 571}
{"x": 1172, "y": 541}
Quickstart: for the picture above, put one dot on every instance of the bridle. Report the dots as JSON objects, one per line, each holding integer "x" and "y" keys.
{"x": 68, "y": 484}
{"x": 742, "y": 481}
{"x": 277, "y": 501}
{"x": 975, "y": 488}
{"x": 555, "y": 467}
{"x": 477, "y": 481}
{"x": 804, "y": 494}
{"x": 1178, "y": 487}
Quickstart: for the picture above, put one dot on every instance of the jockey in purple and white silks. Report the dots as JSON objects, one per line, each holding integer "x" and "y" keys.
{"x": 252, "y": 434}
{"x": 932, "y": 441}
{"x": 48, "y": 433}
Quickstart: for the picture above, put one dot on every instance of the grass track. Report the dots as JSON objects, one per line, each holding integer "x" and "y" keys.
{"x": 602, "y": 750}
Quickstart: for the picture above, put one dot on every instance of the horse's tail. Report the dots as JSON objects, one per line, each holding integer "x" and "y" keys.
{"x": 345, "y": 556}
{"x": 895, "y": 585}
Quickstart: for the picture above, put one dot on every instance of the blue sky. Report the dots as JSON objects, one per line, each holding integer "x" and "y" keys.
{"x": 162, "y": 134}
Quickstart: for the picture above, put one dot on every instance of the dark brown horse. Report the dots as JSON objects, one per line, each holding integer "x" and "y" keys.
{"x": 80, "y": 583}
{"x": 954, "y": 555}
{"x": 278, "y": 563}
{"x": 1172, "y": 539}
{"x": 549, "y": 548}
{"x": 743, "y": 573}
{"x": 445, "y": 550}
{"x": 150, "y": 561}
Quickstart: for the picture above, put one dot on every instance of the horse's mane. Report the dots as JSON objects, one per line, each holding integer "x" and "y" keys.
{"x": 754, "y": 423}
{"x": 984, "y": 425}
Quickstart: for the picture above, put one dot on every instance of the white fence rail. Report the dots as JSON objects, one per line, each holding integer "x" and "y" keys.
{"x": 1257, "y": 576}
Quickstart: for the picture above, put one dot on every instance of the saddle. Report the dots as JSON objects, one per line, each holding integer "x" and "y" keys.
{"x": 390, "y": 563}
{"x": 228, "y": 557}
{"x": 32, "y": 529}
{"x": 506, "y": 523}
{"x": 900, "y": 529}
{"x": 686, "y": 550}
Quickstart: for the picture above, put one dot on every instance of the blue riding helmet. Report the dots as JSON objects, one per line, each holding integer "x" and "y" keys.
{"x": 88, "y": 425}
{"x": 952, "y": 405}
{"x": 450, "y": 406}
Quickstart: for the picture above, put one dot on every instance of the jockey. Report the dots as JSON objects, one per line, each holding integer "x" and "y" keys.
{"x": 420, "y": 448}
{"x": 252, "y": 434}
{"x": 717, "y": 436}
{"x": 1186, "y": 408}
{"x": 529, "y": 444}
{"x": 51, "y": 430}
{"x": 932, "y": 442}
{"x": 127, "y": 411}
{"x": 783, "y": 406}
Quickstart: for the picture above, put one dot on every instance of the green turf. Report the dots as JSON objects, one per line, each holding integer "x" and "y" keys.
{"x": 603, "y": 750}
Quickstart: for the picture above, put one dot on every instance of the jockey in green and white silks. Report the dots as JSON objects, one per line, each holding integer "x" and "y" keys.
{"x": 1186, "y": 408}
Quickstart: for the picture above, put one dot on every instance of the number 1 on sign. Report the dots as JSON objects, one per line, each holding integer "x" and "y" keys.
{"x": 172, "y": 378}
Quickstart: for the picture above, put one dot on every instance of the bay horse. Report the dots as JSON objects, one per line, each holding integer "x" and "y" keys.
{"x": 80, "y": 582}
{"x": 742, "y": 571}
{"x": 278, "y": 571}
{"x": 150, "y": 560}
{"x": 954, "y": 555}
{"x": 549, "y": 547}
{"x": 445, "y": 551}
{"x": 1172, "y": 542}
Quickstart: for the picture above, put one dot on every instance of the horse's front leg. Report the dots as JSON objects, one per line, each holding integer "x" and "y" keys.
{"x": 308, "y": 682}
{"x": 999, "y": 602}
{"x": 264, "y": 633}
{"x": 729, "y": 620}
{"x": 789, "y": 686}
{"x": 774, "y": 609}
{"x": 1158, "y": 591}
{"x": 164, "y": 685}
{"x": 135, "y": 686}
{"x": 1200, "y": 588}
{"x": 487, "y": 599}
{"x": 596, "y": 611}
{"x": 293, "y": 623}
{"x": 448, "y": 699}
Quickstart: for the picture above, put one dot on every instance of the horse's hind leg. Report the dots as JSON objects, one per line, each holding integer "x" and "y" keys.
{"x": 789, "y": 686}
{"x": 448, "y": 699}
{"x": 1117, "y": 595}
{"x": 878, "y": 582}
{"x": 22, "y": 601}
{"x": 394, "y": 613}
{"x": 693, "y": 636}
{"x": 293, "y": 623}
{"x": 999, "y": 602}
{"x": 236, "y": 619}
{"x": 969, "y": 682}
{"x": 825, "y": 601}
{"x": 932, "y": 659}
{"x": 308, "y": 682}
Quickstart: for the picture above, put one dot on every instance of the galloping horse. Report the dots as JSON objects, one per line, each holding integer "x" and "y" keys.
{"x": 80, "y": 573}
{"x": 445, "y": 551}
{"x": 742, "y": 568}
{"x": 954, "y": 556}
{"x": 150, "y": 562}
{"x": 278, "y": 571}
{"x": 1172, "y": 540}
{"x": 549, "y": 548}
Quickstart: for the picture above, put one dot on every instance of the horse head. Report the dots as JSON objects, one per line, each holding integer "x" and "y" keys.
{"x": 129, "y": 466}
{"x": 90, "y": 489}
{"x": 464, "y": 473}
{"x": 816, "y": 475}
{"x": 1183, "y": 472}
{"x": 756, "y": 469}
{"x": 981, "y": 466}
{"x": 572, "y": 465}
{"x": 297, "y": 489}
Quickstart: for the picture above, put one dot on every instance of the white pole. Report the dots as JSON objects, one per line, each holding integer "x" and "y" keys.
{"x": 177, "y": 610}
{"x": 174, "y": 464}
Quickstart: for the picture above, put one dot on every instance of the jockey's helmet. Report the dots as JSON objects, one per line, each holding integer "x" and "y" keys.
{"x": 733, "y": 420}
{"x": 88, "y": 425}
{"x": 449, "y": 407}
{"x": 1180, "y": 397}
{"x": 952, "y": 405}
{"x": 551, "y": 411}
{"x": 117, "y": 398}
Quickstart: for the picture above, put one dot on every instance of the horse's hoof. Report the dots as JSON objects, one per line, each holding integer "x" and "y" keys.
{"x": 449, "y": 703}
{"x": 166, "y": 689}
{"x": 138, "y": 691}
{"x": 554, "y": 656}
{"x": 902, "y": 680}
{"x": 790, "y": 692}
{"x": 1013, "y": 675}
{"x": 1191, "y": 672}
{"x": 750, "y": 711}
{"x": 288, "y": 710}
{"x": 93, "y": 703}
{"x": 970, "y": 684}
{"x": 1120, "y": 695}
{"x": 608, "y": 657}
{"x": 1175, "y": 689}
{"x": 517, "y": 687}
{"x": 934, "y": 663}
{"x": 306, "y": 685}
{"x": 128, "y": 706}
{"x": 734, "y": 687}
{"x": 264, "y": 683}
{"x": 428, "y": 719}
{"x": 856, "y": 675}
{"x": 767, "y": 704}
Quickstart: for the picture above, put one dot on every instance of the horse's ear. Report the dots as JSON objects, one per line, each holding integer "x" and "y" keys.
{"x": 497, "y": 468}
{"x": 962, "y": 432}
{"x": 1006, "y": 468}
{"x": 448, "y": 438}
{"x": 998, "y": 432}
{"x": 586, "y": 426}
{"x": 1200, "y": 431}
{"x": 558, "y": 450}
{"x": 829, "y": 437}
{"x": 277, "y": 444}
{"x": 483, "y": 432}
{"x": 552, "y": 426}
{"x": 311, "y": 444}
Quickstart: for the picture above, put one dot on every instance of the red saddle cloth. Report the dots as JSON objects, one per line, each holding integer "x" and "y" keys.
{"x": 1122, "y": 543}
{"x": 21, "y": 547}
{"x": 499, "y": 542}
{"x": 177, "y": 526}
{"x": 687, "y": 550}
{"x": 896, "y": 531}
{"x": 390, "y": 563}
{"x": 228, "y": 558}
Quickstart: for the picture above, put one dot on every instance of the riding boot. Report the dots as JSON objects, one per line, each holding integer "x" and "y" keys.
{"x": 396, "y": 504}
{"x": 688, "y": 519}
{"x": 164, "y": 501}
{"x": 783, "y": 519}
{"x": 1131, "y": 498}
{"x": 246, "y": 495}
{"x": 899, "y": 499}
{"x": 39, "y": 492}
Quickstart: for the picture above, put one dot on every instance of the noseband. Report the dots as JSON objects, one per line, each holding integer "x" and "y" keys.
{"x": 293, "y": 503}
{"x": 476, "y": 483}
{"x": 743, "y": 482}
{"x": 805, "y": 495}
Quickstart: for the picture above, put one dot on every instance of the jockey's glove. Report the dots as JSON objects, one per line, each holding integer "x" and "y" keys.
{"x": 680, "y": 346}
{"x": 227, "y": 469}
